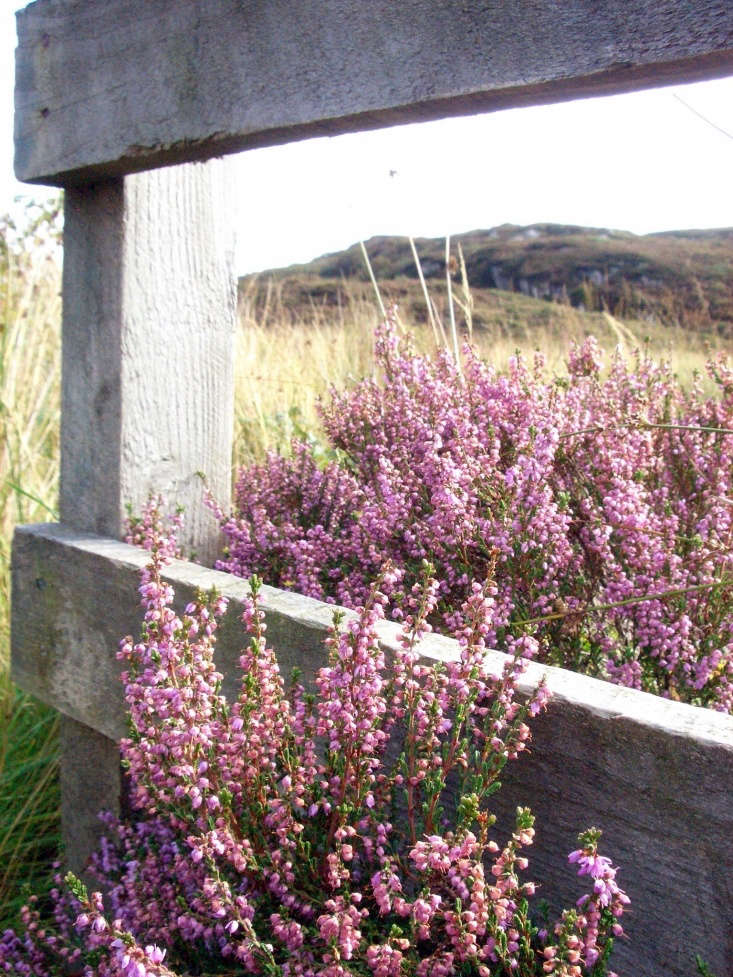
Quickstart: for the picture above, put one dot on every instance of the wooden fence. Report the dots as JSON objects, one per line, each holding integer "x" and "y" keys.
{"x": 106, "y": 95}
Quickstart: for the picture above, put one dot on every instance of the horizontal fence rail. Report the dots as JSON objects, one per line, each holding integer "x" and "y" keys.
{"x": 655, "y": 775}
{"x": 110, "y": 88}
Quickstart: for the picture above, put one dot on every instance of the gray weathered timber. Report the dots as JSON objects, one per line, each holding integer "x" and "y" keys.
{"x": 655, "y": 775}
{"x": 148, "y": 348}
{"x": 147, "y": 384}
{"x": 115, "y": 87}
{"x": 91, "y": 781}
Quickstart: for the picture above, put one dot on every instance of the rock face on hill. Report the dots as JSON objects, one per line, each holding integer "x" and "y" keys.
{"x": 682, "y": 278}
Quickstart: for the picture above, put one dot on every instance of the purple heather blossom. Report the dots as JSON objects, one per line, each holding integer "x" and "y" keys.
{"x": 300, "y": 834}
{"x": 601, "y": 505}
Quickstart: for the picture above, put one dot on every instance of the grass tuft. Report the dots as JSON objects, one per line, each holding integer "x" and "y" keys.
{"x": 30, "y": 314}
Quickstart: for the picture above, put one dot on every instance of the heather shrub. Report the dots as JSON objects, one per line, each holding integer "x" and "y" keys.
{"x": 602, "y": 500}
{"x": 297, "y": 832}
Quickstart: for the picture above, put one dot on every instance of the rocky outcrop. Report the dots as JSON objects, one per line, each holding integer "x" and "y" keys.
{"x": 678, "y": 278}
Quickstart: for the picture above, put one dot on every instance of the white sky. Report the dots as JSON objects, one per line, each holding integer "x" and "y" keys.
{"x": 641, "y": 162}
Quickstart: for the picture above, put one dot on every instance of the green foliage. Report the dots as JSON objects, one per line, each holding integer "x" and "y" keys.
{"x": 29, "y": 423}
{"x": 29, "y": 798}
{"x": 702, "y": 968}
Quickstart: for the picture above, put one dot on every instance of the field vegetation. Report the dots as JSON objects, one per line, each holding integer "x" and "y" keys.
{"x": 30, "y": 310}
{"x": 289, "y": 353}
{"x": 327, "y": 329}
{"x": 291, "y": 834}
{"x": 600, "y": 505}
{"x": 679, "y": 278}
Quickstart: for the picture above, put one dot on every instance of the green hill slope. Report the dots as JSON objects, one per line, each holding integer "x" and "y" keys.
{"x": 680, "y": 278}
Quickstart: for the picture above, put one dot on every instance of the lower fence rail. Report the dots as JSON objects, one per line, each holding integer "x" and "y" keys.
{"x": 653, "y": 774}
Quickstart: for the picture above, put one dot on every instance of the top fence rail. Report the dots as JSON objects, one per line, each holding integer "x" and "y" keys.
{"x": 104, "y": 89}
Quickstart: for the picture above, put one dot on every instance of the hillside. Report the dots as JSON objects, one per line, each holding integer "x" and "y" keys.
{"x": 677, "y": 279}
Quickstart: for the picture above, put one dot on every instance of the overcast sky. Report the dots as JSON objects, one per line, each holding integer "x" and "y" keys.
{"x": 641, "y": 162}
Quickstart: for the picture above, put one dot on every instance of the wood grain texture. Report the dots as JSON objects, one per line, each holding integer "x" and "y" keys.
{"x": 148, "y": 348}
{"x": 110, "y": 88}
{"x": 149, "y": 307}
{"x": 91, "y": 781}
{"x": 655, "y": 775}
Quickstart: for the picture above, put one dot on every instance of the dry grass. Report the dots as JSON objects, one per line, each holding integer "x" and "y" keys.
{"x": 30, "y": 313}
{"x": 287, "y": 360}
{"x": 30, "y": 375}
{"x": 285, "y": 364}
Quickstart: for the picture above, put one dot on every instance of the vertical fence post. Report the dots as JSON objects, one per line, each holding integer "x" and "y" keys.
{"x": 147, "y": 391}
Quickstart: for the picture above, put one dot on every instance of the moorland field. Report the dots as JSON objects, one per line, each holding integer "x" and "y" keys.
{"x": 302, "y": 330}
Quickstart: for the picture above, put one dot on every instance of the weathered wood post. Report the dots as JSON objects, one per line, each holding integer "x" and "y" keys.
{"x": 147, "y": 391}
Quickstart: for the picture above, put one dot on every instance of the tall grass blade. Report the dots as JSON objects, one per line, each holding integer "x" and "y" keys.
{"x": 449, "y": 287}
{"x": 378, "y": 294}
{"x": 467, "y": 304}
{"x": 428, "y": 301}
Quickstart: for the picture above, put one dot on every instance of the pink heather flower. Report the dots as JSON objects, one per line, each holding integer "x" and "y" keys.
{"x": 594, "y": 501}
{"x": 315, "y": 833}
